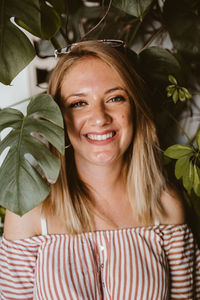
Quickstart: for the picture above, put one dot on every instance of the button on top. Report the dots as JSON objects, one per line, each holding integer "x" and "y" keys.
{"x": 102, "y": 265}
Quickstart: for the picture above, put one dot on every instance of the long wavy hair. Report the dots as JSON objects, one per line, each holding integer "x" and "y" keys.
{"x": 71, "y": 198}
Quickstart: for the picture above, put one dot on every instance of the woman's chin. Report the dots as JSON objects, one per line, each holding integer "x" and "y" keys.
{"x": 98, "y": 158}
{"x": 103, "y": 158}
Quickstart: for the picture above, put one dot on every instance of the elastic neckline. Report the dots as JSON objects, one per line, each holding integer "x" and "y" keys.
{"x": 106, "y": 231}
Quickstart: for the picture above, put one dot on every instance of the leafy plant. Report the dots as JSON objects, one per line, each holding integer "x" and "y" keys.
{"x": 22, "y": 186}
{"x": 177, "y": 92}
{"x": 187, "y": 165}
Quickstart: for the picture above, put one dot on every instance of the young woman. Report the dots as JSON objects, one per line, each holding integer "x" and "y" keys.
{"x": 111, "y": 228}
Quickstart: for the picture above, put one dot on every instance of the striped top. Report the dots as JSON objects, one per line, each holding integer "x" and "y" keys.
{"x": 143, "y": 263}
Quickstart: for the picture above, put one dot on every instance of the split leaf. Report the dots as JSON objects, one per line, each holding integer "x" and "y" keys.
{"x": 23, "y": 186}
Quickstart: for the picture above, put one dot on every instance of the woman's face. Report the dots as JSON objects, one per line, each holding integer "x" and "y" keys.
{"x": 97, "y": 112}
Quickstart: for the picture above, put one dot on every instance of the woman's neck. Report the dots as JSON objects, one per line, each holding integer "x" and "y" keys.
{"x": 104, "y": 180}
{"x": 108, "y": 189}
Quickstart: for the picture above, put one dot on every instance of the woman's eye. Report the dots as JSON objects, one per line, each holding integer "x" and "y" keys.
{"x": 77, "y": 104}
{"x": 117, "y": 99}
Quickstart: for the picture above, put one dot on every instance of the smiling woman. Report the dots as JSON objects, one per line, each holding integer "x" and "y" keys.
{"x": 86, "y": 84}
{"x": 111, "y": 228}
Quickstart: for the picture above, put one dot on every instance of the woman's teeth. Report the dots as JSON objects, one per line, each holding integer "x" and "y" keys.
{"x": 100, "y": 137}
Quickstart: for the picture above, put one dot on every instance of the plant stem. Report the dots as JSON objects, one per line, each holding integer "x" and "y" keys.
{"x": 180, "y": 127}
{"x": 102, "y": 19}
{"x": 55, "y": 43}
{"x": 19, "y": 156}
{"x": 135, "y": 32}
{"x": 63, "y": 35}
{"x": 153, "y": 37}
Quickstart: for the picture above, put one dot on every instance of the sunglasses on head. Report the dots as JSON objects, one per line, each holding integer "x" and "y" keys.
{"x": 68, "y": 49}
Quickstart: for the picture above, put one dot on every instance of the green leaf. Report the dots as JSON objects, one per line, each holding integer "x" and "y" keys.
{"x": 170, "y": 90}
{"x": 177, "y": 151}
{"x": 136, "y": 8}
{"x": 183, "y": 23}
{"x": 41, "y": 106}
{"x": 182, "y": 166}
{"x": 181, "y": 95}
{"x": 167, "y": 160}
{"x": 172, "y": 79}
{"x": 27, "y": 11}
{"x": 49, "y": 164}
{"x": 10, "y": 117}
{"x": 169, "y": 94}
{"x": 198, "y": 138}
{"x": 187, "y": 93}
{"x": 16, "y": 52}
{"x": 10, "y": 140}
{"x": 50, "y": 131}
{"x": 50, "y": 21}
{"x": 197, "y": 180}
{"x": 175, "y": 96}
{"x": 59, "y": 5}
{"x": 188, "y": 178}
{"x": 22, "y": 186}
{"x": 93, "y": 12}
{"x": 15, "y": 46}
{"x": 157, "y": 63}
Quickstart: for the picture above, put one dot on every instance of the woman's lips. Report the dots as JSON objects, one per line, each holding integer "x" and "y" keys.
{"x": 102, "y": 138}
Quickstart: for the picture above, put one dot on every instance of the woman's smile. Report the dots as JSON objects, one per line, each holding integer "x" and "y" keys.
{"x": 102, "y": 138}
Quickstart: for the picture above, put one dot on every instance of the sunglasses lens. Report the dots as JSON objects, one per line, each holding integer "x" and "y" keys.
{"x": 68, "y": 49}
{"x": 114, "y": 43}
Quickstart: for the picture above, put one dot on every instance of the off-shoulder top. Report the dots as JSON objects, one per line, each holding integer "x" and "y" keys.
{"x": 145, "y": 263}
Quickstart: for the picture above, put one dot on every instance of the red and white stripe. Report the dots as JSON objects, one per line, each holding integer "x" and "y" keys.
{"x": 145, "y": 263}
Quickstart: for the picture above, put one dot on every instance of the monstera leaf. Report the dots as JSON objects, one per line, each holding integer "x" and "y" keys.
{"x": 16, "y": 50}
{"x": 50, "y": 22}
{"x": 136, "y": 8}
{"x": 29, "y": 164}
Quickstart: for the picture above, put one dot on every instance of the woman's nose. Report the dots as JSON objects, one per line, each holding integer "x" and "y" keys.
{"x": 100, "y": 116}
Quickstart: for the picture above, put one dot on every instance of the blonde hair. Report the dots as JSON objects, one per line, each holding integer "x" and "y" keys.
{"x": 70, "y": 197}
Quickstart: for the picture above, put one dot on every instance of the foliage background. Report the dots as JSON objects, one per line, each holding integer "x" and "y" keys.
{"x": 165, "y": 41}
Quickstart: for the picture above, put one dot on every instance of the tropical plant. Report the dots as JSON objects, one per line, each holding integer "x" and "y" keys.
{"x": 165, "y": 41}
{"x": 22, "y": 186}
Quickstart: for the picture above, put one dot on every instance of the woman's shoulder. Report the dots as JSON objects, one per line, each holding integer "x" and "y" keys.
{"x": 21, "y": 227}
{"x": 173, "y": 207}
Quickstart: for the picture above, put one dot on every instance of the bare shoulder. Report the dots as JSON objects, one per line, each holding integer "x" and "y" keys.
{"x": 172, "y": 203}
{"x": 20, "y": 227}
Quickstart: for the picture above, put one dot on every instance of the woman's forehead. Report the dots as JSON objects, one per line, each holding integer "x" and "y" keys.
{"x": 91, "y": 72}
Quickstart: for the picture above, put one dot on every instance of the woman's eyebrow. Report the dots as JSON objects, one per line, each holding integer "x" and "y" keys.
{"x": 81, "y": 94}
{"x": 115, "y": 89}
{"x": 74, "y": 95}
